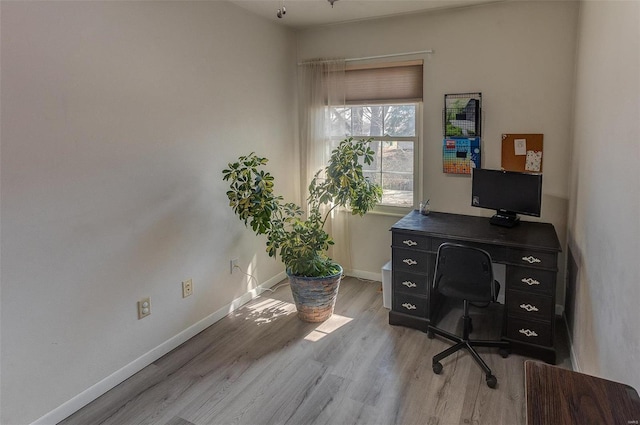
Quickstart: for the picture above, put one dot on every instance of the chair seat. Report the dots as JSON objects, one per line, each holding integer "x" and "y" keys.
{"x": 470, "y": 293}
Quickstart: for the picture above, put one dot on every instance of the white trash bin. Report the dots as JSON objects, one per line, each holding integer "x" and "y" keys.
{"x": 386, "y": 285}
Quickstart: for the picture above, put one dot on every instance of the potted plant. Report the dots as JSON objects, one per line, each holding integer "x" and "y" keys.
{"x": 300, "y": 239}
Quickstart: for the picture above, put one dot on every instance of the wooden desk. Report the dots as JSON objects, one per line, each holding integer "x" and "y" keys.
{"x": 560, "y": 396}
{"x": 529, "y": 251}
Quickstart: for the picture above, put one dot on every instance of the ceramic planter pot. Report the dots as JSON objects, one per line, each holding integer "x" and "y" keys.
{"x": 315, "y": 297}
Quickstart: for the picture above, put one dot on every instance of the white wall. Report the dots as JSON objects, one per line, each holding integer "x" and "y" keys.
{"x": 520, "y": 55}
{"x": 117, "y": 120}
{"x": 604, "y": 215}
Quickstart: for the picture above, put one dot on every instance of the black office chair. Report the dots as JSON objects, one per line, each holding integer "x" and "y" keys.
{"x": 465, "y": 273}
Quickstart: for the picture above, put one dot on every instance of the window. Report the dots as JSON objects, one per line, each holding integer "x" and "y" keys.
{"x": 393, "y": 130}
{"x": 383, "y": 102}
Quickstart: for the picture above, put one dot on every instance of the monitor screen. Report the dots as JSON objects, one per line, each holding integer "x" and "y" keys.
{"x": 507, "y": 192}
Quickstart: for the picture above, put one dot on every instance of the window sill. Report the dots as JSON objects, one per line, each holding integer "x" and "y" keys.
{"x": 383, "y": 211}
{"x": 391, "y": 211}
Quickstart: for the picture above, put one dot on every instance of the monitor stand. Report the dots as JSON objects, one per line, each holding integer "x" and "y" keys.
{"x": 505, "y": 219}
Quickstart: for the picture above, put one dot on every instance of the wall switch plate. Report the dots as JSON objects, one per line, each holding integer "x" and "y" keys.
{"x": 144, "y": 308}
{"x": 187, "y": 288}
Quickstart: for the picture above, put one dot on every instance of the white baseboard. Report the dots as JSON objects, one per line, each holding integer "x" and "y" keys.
{"x": 119, "y": 376}
{"x": 361, "y": 274}
{"x": 572, "y": 354}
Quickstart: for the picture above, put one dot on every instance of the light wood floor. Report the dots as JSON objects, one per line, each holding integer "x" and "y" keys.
{"x": 261, "y": 365}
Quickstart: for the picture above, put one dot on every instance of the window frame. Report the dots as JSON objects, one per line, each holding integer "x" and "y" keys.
{"x": 397, "y": 210}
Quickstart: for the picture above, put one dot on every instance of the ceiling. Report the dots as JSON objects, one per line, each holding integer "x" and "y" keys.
{"x": 308, "y": 13}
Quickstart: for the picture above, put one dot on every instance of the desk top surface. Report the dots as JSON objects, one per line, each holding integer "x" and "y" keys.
{"x": 560, "y": 396}
{"x": 527, "y": 234}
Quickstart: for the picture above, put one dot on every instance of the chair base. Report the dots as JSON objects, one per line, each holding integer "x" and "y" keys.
{"x": 468, "y": 344}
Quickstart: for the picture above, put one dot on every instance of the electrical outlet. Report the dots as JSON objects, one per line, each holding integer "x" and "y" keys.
{"x": 144, "y": 308}
{"x": 187, "y": 288}
{"x": 233, "y": 263}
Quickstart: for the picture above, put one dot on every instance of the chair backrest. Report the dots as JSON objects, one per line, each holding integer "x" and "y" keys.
{"x": 464, "y": 272}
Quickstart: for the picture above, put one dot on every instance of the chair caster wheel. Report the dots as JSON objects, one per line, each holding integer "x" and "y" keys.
{"x": 437, "y": 368}
{"x": 491, "y": 381}
{"x": 504, "y": 353}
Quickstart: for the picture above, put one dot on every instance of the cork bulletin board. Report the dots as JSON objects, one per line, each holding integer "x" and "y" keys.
{"x": 522, "y": 152}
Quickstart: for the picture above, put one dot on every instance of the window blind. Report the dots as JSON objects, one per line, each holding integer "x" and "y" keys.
{"x": 390, "y": 82}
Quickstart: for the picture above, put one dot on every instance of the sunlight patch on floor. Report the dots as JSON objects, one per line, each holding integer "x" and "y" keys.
{"x": 268, "y": 310}
{"x": 325, "y": 328}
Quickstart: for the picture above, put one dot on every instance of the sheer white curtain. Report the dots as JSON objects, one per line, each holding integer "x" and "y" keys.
{"x": 321, "y": 86}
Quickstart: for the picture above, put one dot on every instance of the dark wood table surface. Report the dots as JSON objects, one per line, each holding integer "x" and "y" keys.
{"x": 560, "y": 396}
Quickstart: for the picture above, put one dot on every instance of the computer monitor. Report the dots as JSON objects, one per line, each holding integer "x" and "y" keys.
{"x": 508, "y": 192}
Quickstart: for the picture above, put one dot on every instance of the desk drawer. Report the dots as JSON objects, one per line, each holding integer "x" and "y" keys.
{"x": 409, "y": 283}
{"x": 498, "y": 253}
{"x": 546, "y": 260}
{"x": 530, "y": 331}
{"x": 405, "y": 240}
{"x": 531, "y": 280}
{"x": 408, "y": 304}
{"x": 410, "y": 260}
{"x": 530, "y": 306}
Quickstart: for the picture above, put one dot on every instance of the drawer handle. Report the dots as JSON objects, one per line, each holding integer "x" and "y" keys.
{"x": 409, "y": 262}
{"x": 409, "y": 284}
{"x": 528, "y": 332}
{"x": 409, "y": 242}
{"x": 531, "y": 259}
{"x": 529, "y": 307}
{"x": 529, "y": 281}
{"x": 409, "y": 306}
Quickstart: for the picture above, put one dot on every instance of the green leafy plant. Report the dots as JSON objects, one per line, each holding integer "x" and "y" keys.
{"x": 302, "y": 241}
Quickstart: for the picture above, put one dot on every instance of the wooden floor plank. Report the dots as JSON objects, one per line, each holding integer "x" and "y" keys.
{"x": 262, "y": 365}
